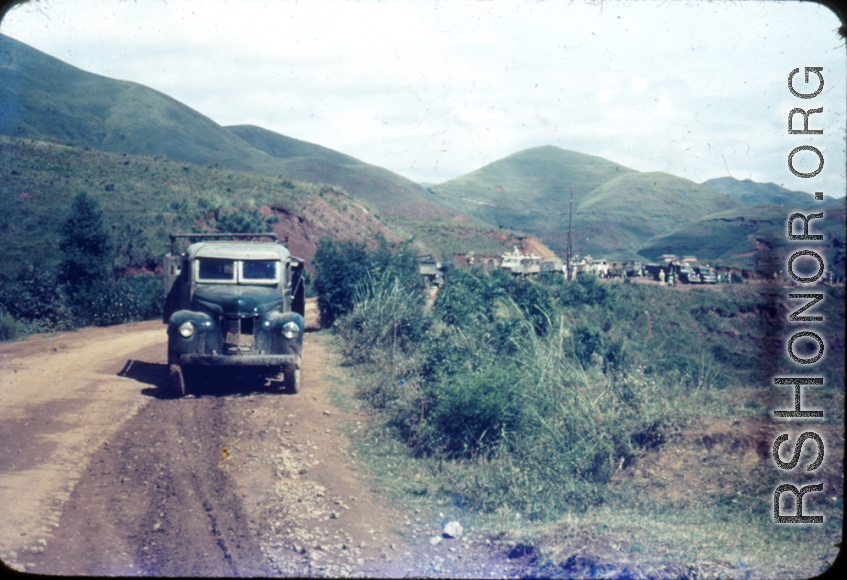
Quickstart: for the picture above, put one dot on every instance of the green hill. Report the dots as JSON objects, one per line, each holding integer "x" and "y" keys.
{"x": 754, "y": 237}
{"x": 615, "y": 219}
{"x": 282, "y": 147}
{"x": 616, "y": 209}
{"x": 145, "y": 198}
{"x": 49, "y": 99}
{"x": 166, "y": 164}
{"x": 528, "y": 190}
{"x": 761, "y": 193}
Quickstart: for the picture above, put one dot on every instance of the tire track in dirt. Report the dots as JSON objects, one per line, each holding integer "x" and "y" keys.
{"x": 60, "y": 398}
{"x": 236, "y": 479}
{"x": 156, "y": 502}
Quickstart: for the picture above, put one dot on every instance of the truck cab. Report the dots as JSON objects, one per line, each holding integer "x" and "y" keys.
{"x": 231, "y": 299}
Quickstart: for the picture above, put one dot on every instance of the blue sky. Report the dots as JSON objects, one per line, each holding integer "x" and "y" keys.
{"x": 435, "y": 89}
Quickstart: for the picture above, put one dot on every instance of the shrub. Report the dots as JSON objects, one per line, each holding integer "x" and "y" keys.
{"x": 587, "y": 340}
{"x": 243, "y": 221}
{"x": 340, "y": 267}
{"x": 343, "y": 267}
{"x": 535, "y": 303}
{"x": 587, "y": 290}
{"x": 132, "y": 299}
{"x": 476, "y": 412}
{"x": 8, "y": 327}
{"x": 37, "y": 297}
{"x": 388, "y": 321}
{"x": 469, "y": 298}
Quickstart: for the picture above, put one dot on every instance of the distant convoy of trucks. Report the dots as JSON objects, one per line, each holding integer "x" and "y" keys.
{"x": 671, "y": 270}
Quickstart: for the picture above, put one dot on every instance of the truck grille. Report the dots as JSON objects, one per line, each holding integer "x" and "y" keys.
{"x": 239, "y": 335}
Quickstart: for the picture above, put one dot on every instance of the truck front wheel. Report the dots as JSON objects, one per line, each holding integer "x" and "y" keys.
{"x": 176, "y": 379}
{"x": 292, "y": 379}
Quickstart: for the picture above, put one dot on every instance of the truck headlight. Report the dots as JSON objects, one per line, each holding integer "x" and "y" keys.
{"x": 186, "y": 329}
{"x": 290, "y": 330}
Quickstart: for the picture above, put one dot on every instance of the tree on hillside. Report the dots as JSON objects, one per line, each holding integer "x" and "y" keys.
{"x": 86, "y": 268}
{"x": 244, "y": 221}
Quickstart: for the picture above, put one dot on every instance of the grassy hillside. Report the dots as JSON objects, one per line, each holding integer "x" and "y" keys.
{"x": 754, "y": 237}
{"x": 646, "y": 406}
{"x": 47, "y": 98}
{"x": 282, "y": 147}
{"x": 615, "y": 219}
{"x": 618, "y": 212}
{"x": 390, "y": 194}
{"x": 50, "y": 99}
{"x": 446, "y": 240}
{"x": 145, "y": 198}
{"x": 616, "y": 209}
{"x": 761, "y": 193}
{"x": 529, "y": 190}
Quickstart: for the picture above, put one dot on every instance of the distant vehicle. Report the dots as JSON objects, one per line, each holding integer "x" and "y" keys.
{"x": 707, "y": 275}
{"x": 431, "y": 270}
{"x": 233, "y": 301}
{"x": 520, "y": 264}
{"x": 688, "y": 275}
{"x": 552, "y": 265}
{"x": 632, "y": 269}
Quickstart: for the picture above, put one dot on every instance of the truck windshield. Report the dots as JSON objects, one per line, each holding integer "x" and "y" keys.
{"x": 259, "y": 270}
{"x": 214, "y": 269}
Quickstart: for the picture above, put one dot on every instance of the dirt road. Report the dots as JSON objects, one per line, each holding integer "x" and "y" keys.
{"x": 102, "y": 474}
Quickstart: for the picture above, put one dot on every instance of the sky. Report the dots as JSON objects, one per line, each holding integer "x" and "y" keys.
{"x": 436, "y": 89}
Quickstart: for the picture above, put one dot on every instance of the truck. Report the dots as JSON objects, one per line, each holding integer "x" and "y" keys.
{"x": 518, "y": 263}
{"x": 431, "y": 270}
{"x": 707, "y": 274}
{"x": 633, "y": 269}
{"x": 231, "y": 299}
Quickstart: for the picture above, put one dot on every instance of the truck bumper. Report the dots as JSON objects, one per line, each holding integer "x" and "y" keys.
{"x": 259, "y": 360}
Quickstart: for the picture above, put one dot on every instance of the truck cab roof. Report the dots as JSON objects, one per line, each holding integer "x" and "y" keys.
{"x": 238, "y": 250}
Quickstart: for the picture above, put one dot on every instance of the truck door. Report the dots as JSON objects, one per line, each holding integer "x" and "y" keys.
{"x": 298, "y": 287}
{"x": 171, "y": 271}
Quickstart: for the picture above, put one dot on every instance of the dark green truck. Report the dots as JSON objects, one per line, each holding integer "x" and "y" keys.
{"x": 231, "y": 299}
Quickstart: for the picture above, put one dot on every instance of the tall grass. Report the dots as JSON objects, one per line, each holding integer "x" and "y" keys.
{"x": 514, "y": 397}
{"x": 521, "y": 424}
{"x": 573, "y": 428}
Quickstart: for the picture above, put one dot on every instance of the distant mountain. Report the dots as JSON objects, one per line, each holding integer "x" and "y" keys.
{"x": 528, "y": 190}
{"x": 47, "y": 98}
{"x": 761, "y": 193}
{"x": 754, "y": 237}
{"x": 616, "y": 209}
{"x": 44, "y": 97}
{"x": 618, "y": 213}
{"x": 615, "y": 219}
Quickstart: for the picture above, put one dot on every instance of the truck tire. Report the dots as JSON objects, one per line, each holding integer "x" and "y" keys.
{"x": 292, "y": 379}
{"x": 176, "y": 379}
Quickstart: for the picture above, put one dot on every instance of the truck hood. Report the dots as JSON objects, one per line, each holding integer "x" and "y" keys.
{"x": 236, "y": 300}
